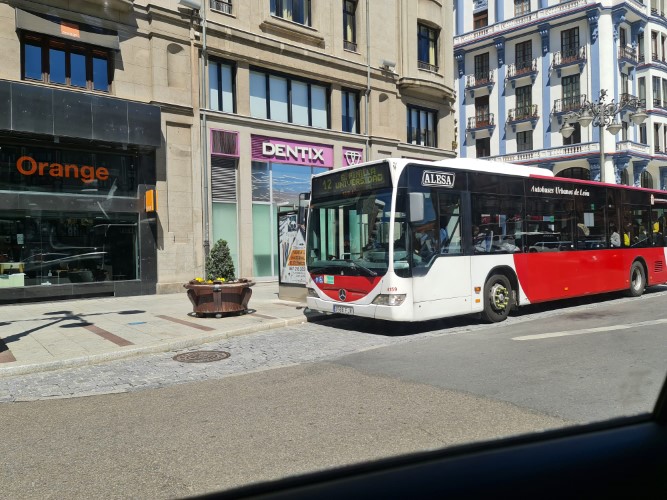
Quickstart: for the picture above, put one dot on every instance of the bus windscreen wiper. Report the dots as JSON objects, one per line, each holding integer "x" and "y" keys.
{"x": 354, "y": 265}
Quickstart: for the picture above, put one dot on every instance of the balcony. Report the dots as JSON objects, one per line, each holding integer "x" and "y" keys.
{"x": 633, "y": 147}
{"x": 520, "y": 70}
{"x": 351, "y": 46}
{"x": 481, "y": 122}
{"x": 517, "y": 22}
{"x": 569, "y": 57}
{"x": 427, "y": 66}
{"x": 567, "y": 105}
{"x": 627, "y": 55}
{"x": 522, "y": 114}
{"x": 626, "y": 98}
{"x": 224, "y": 6}
{"x": 483, "y": 79}
{"x": 538, "y": 156}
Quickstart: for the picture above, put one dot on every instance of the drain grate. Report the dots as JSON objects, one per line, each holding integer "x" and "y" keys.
{"x": 201, "y": 356}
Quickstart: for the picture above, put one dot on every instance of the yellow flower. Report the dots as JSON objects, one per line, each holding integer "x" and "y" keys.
{"x": 220, "y": 279}
{"x": 199, "y": 280}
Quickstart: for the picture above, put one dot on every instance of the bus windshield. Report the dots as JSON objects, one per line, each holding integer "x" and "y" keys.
{"x": 351, "y": 236}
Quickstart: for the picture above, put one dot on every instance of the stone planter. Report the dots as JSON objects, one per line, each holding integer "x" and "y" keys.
{"x": 219, "y": 298}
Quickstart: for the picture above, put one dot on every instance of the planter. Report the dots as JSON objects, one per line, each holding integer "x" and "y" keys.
{"x": 219, "y": 298}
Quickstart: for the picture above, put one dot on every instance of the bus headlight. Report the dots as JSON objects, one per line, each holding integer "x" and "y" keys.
{"x": 312, "y": 293}
{"x": 389, "y": 299}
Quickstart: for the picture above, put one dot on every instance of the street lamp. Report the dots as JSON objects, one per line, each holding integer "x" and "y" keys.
{"x": 603, "y": 115}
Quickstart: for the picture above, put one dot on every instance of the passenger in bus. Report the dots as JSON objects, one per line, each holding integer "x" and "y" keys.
{"x": 615, "y": 238}
{"x": 627, "y": 234}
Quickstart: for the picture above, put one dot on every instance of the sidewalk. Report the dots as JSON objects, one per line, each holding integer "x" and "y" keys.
{"x": 52, "y": 335}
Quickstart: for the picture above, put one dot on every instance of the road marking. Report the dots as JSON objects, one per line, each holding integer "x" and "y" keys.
{"x": 599, "y": 329}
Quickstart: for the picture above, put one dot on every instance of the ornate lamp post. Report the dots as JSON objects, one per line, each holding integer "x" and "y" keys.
{"x": 603, "y": 114}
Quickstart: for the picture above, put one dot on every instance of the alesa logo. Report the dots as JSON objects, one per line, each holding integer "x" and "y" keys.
{"x": 443, "y": 179}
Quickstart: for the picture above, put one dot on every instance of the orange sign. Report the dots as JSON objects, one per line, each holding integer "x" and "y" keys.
{"x": 70, "y": 29}
{"x": 150, "y": 201}
{"x": 27, "y": 165}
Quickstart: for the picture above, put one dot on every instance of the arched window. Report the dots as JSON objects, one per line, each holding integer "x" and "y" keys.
{"x": 625, "y": 178}
{"x": 646, "y": 180}
{"x": 576, "y": 173}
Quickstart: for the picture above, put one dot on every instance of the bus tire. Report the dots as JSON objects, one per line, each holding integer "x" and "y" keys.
{"x": 637, "y": 280}
{"x": 497, "y": 299}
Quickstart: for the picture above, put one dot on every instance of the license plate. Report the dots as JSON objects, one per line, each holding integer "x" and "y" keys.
{"x": 343, "y": 309}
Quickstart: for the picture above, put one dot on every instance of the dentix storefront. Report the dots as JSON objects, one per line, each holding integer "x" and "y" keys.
{"x": 74, "y": 172}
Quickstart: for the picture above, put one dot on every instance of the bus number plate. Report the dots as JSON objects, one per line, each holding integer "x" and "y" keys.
{"x": 343, "y": 309}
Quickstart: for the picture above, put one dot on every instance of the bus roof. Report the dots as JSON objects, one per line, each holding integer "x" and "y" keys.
{"x": 494, "y": 167}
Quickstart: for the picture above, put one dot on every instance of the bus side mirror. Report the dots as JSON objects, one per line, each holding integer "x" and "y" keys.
{"x": 416, "y": 207}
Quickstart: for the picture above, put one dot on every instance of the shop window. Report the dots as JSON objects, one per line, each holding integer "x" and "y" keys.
{"x": 286, "y": 99}
{"x": 427, "y": 47}
{"x": 350, "y": 25}
{"x": 350, "y": 111}
{"x": 59, "y": 62}
{"x": 64, "y": 248}
{"x": 224, "y": 195}
{"x": 422, "y": 126}
{"x": 297, "y": 11}
{"x": 274, "y": 185}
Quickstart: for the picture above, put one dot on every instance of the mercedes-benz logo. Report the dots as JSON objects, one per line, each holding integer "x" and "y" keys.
{"x": 342, "y": 294}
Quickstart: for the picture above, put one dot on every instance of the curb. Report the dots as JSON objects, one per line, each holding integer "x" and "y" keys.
{"x": 176, "y": 345}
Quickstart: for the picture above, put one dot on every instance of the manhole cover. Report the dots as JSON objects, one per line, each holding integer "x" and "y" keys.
{"x": 201, "y": 356}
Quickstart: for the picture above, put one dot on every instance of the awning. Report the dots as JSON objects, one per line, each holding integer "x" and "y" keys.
{"x": 67, "y": 29}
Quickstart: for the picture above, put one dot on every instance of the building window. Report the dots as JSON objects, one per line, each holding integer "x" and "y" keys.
{"x": 521, "y": 7}
{"x": 350, "y": 25}
{"x": 624, "y": 131}
{"x": 523, "y": 56}
{"x": 222, "y": 6}
{"x": 297, "y": 11}
{"x": 643, "y": 137}
{"x": 575, "y": 138}
{"x": 52, "y": 60}
{"x": 657, "y": 100}
{"x": 482, "y": 67}
{"x": 524, "y": 102}
{"x": 350, "y": 111}
{"x": 284, "y": 99}
{"x": 646, "y": 180}
{"x": 427, "y": 48}
{"x": 221, "y": 86}
{"x": 524, "y": 141}
{"x": 625, "y": 178}
{"x": 569, "y": 43}
{"x": 571, "y": 93}
{"x": 576, "y": 173}
{"x": 422, "y": 126}
{"x": 480, "y": 19}
{"x": 482, "y": 110}
{"x": 483, "y": 147}
{"x": 642, "y": 90}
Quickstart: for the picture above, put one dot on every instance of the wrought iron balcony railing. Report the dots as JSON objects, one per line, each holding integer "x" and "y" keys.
{"x": 522, "y": 113}
{"x": 351, "y": 46}
{"x": 481, "y": 120}
{"x": 568, "y": 57}
{"x": 521, "y": 68}
{"x": 427, "y": 66}
{"x": 568, "y": 104}
{"x": 480, "y": 79}
{"x": 628, "y": 53}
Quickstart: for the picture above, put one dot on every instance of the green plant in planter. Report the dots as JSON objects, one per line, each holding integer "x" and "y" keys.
{"x": 219, "y": 263}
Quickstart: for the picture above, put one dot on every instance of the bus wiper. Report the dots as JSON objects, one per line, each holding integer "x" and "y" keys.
{"x": 354, "y": 265}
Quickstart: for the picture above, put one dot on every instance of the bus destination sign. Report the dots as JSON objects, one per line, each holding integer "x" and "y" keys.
{"x": 350, "y": 181}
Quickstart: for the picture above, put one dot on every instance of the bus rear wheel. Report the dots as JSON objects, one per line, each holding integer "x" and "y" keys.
{"x": 637, "y": 280}
{"x": 497, "y": 298}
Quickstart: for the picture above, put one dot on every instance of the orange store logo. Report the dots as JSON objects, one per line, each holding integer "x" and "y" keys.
{"x": 27, "y": 165}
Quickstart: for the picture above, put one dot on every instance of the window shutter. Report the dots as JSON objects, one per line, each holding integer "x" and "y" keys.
{"x": 224, "y": 143}
{"x": 223, "y": 178}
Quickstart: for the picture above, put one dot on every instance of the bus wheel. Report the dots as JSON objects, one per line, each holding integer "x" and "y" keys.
{"x": 497, "y": 298}
{"x": 637, "y": 280}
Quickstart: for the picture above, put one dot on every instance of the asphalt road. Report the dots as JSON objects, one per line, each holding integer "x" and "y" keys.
{"x": 323, "y": 395}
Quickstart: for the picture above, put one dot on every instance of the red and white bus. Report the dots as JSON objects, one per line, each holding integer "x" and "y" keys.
{"x": 411, "y": 240}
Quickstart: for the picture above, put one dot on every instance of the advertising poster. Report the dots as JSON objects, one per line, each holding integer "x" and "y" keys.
{"x": 292, "y": 249}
